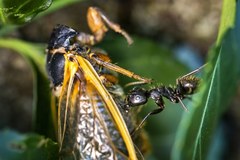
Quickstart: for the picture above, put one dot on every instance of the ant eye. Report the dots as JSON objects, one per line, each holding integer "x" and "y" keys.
{"x": 189, "y": 88}
{"x": 188, "y": 85}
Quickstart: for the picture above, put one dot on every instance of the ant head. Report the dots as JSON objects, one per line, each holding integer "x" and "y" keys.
{"x": 187, "y": 85}
{"x": 136, "y": 97}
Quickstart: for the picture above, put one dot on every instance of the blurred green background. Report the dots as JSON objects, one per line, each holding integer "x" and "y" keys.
{"x": 171, "y": 38}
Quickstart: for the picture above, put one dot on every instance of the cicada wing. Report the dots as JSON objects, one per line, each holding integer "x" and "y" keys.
{"x": 68, "y": 114}
{"x": 98, "y": 125}
{"x": 91, "y": 125}
{"x": 112, "y": 108}
{"x": 85, "y": 128}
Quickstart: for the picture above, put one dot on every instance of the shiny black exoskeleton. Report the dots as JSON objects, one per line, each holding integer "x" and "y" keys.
{"x": 138, "y": 96}
{"x": 62, "y": 36}
{"x": 61, "y": 41}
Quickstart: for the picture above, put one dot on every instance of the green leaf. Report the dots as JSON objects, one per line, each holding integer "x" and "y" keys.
{"x": 34, "y": 55}
{"x": 15, "y": 146}
{"x": 8, "y": 26}
{"x": 57, "y": 4}
{"x": 21, "y": 11}
{"x": 219, "y": 85}
{"x": 227, "y": 18}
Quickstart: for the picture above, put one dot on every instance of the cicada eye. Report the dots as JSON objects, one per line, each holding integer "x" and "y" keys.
{"x": 55, "y": 68}
{"x": 137, "y": 97}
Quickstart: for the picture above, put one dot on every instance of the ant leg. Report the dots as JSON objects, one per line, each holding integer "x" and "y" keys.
{"x": 156, "y": 111}
{"x": 118, "y": 69}
{"x": 97, "y": 22}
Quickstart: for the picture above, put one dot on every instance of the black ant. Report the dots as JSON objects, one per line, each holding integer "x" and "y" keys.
{"x": 185, "y": 86}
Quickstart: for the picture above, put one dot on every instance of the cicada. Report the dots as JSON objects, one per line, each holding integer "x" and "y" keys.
{"x": 91, "y": 121}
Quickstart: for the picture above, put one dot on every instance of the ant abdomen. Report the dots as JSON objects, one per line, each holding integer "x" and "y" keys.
{"x": 136, "y": 97}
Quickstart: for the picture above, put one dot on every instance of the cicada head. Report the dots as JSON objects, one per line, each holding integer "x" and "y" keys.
{"x": 60, "y": 45}
{"x": 61, "y": 37}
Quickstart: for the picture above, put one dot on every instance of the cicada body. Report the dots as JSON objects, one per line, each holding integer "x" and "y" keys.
{"x": 91, "y": 121}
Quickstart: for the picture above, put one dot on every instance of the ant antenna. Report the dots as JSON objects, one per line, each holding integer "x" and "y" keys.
{"x": 194, "y": 71}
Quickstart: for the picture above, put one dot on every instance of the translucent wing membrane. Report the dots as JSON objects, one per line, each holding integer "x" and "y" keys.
{"x": 90, "y": 124}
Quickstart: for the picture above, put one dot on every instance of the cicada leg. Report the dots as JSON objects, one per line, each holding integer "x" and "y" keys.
{"x": 98, "y": 23}
{"x": 100, "y": 60}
